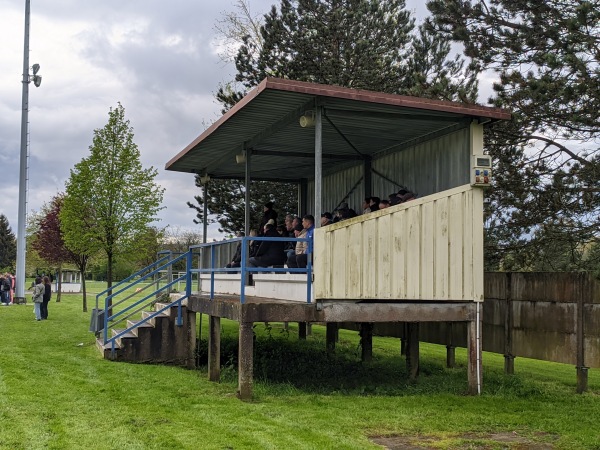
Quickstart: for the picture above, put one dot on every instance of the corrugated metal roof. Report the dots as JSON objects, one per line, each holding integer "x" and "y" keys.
{"x": 356, "y": 124}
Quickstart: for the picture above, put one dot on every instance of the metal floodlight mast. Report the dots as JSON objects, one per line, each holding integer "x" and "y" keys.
{"x": 22, "y": 218}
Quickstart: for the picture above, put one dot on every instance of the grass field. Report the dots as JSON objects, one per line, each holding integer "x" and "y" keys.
{"x": 57, "y": 392}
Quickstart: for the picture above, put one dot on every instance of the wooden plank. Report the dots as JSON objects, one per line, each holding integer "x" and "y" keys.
{"x": 399, "y": 254}
{"x": 467, "y": 265}
{"x": 428, "y": 243}
{"x": 442, "y": 263}
{"x": 370, "y": 241}
{"x": 340, "y": 259}
{"x": 322, "y": 258}
{"x": 413, "y": 257}
{"x": 456, "y": 242}
{"x": 355, "y": 262}
{"x": 384, "y": 245}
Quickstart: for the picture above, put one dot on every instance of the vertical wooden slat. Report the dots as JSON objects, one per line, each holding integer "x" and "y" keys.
{"x": 456, "y": 243}
{"x": 427, "y": 243}
{"x": 370, "y": 241}
{"x": 441, "y": 250}
{"x": 398, "y": 247}
{"x": 467, "y": 266}
{"x": 384, "y": 245}
{"x": 340, "y": 259}
{"x": 354, "y": 262}
{"x": 413, "y": 257}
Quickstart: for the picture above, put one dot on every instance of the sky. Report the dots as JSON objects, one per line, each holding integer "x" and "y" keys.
{"x": 159, "y": 59}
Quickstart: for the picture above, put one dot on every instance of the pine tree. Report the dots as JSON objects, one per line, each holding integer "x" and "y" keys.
{"x": 547, "y": 59}
{"x": 8, "y": 245}
{"x": 361, "y": 44}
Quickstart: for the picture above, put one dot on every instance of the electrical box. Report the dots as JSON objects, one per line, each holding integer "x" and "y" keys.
{"x": 481, "y": 170}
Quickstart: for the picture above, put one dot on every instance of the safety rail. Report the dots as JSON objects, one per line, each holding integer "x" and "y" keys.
{"x": 122, "y": 315}
{"x": 245, "y": 270}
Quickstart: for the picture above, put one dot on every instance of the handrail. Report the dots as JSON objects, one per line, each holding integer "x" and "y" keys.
{"x": 116, "y": 317}
{"x": 245, "y": 270}
{"x": 129, "y": 278}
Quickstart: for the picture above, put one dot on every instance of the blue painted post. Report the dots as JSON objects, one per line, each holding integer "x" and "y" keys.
{"x": 188, "y": 280}
{"x": 309, "y": 272}
{"x": 212, "y": 272}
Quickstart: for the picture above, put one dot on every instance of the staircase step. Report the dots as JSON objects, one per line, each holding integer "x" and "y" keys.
{"x": 138, "y": 324}
{"x": 128, "y": 335}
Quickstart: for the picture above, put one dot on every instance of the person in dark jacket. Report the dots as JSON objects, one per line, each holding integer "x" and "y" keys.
{"x": 269, "y": 214}
{"x": 46, "y": 298}
{"x": 237, "y": 256}
{"x": 269, "y": 253}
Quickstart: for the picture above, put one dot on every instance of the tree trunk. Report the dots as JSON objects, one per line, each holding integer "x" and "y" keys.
{"x": 84, "y": 292}
{"x": 59, "y": 284}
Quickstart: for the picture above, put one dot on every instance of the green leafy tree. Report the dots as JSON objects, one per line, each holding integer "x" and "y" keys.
{"x": 8, "y": 245}
{"x": 110, "y": 198}
{"x": 546, "y": 55}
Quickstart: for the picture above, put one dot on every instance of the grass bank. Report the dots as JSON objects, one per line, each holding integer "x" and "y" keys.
{"x": 56, "y": 392}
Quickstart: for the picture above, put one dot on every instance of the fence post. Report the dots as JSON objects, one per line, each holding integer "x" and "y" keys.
{"x": 582, "y": 371}
{"x": 509, "y": 358}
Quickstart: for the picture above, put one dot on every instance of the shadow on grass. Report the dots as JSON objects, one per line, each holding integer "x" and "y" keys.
{"x": 283, "y": 362}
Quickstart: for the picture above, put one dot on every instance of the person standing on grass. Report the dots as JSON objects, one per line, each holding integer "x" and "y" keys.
{"x": 38, "y": 298}
{"x": 46, "y": 298}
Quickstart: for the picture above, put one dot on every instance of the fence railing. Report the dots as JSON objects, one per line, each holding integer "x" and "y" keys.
{"x": 121, "y": 302}
{"x": 245, "y": 269}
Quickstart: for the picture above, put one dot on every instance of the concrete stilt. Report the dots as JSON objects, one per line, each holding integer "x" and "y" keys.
{"x": 450, "y": 356}
{"x": 331, "y": 330}
{"x": 474, "y": 369}
{"x": 191, "y": 330}
{"x": 366, "y": 341}
{"x": 245, "y": 361}
{"x": 302, "y": 330}
{"x": 412, "y": 350}
{"x": 214, "y": 348}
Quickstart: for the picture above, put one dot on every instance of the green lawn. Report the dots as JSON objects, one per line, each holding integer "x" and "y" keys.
{"x": 57, "y": 392}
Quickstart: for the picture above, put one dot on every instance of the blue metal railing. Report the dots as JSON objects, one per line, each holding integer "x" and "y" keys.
{"x": 244, "y": 269}
{"x": 125, "y": 311}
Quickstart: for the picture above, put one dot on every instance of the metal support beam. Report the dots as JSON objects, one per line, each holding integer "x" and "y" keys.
{"x": 367, "y": 177}
{"x": 303, "y": 197}
{"x": 214, "y": 349}
{"x": 318, "y": 165}
{"x": 245, "y": 361}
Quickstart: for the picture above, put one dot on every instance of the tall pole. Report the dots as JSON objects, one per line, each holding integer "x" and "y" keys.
{"x": 22, "y": 218}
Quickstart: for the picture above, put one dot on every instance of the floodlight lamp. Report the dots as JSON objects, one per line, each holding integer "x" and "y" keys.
{"x": 241, "y": 158}
{"x": 36, "y": 68}
{"x": 37, "y": 80}
{"x": 307, "y": 120}
{"x": 204, "y": 179}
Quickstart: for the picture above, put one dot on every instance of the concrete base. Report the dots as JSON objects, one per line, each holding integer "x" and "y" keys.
{"x": 281, "y": 286}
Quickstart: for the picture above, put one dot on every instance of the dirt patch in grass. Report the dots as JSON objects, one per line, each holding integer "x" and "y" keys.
{"x": 475, "y": 441}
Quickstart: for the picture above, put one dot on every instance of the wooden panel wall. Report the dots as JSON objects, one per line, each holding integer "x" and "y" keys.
{"x": 427, "y": 249}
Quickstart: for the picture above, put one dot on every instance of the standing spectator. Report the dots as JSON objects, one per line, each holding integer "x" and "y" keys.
{"x": 46, "y": 298}
{"x": 5, "y": 286}
{"x": 268, "y": 214}
{"x": 38, "y": 298}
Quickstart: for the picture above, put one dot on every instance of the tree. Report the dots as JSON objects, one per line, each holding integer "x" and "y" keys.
{"x": 8, "y": 245}
{"x": 226, "y": 201}
{"x": 362, "y": 44}
{"x": 50, "y": 245}
{"x": 546, "y": 55}
{"x": 110, "y": 198}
